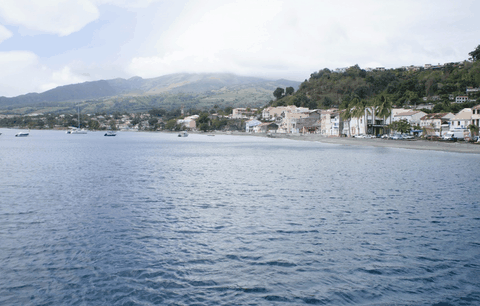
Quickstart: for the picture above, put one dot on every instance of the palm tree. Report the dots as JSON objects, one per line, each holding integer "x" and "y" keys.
{"x": 473, "y": 130}
{"x": 372, "y": 108}
{"x": 346, "y": 114}
{"x": 384, "y": 108}
{"x": 358, "y": 112}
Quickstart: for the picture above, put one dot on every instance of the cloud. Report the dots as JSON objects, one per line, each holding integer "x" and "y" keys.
{"x": 23, "y": 68}
{"x": 64, "y": 76}
{"x": 61, "y": 17}
{"x": 291, "y": 39}
{"x": 14, "y": 66}
{"x": 264, "y": 38}
{"x": 4, "y": 33}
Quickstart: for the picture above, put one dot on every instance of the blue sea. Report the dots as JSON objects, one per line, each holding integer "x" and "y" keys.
{"x": 154, "y": 219}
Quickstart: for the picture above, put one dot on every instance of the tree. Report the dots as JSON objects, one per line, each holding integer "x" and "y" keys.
{"x": 113, "y": 124}
{"x": 156, "y": 112}
{"x": 327, "y": 102}
{"x": 172, "y": 125}
{"x": 359, "y": 112}
{"x": 372, "y": 108}
{"x": 289, "y": 91}
{"x": 401, "y": 126}
{"x": 384, "y": 108}
{"x": 153, "y": 122}
{"x": 473, "y": 129}
{"x": 278, "y": 93}
{"x": 475, "y": 54}
{"x": 93, "y": 125}
{"x": 346, "y": 115}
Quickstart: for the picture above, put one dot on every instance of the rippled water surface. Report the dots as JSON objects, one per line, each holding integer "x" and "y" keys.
{"x": 150, "y": 218}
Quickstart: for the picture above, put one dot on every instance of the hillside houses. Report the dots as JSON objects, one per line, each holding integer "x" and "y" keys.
{"x": 329, "y": 123}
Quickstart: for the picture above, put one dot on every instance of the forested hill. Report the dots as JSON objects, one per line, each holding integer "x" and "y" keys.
{"x": 402, "y": 86}
{"x": 200, "y": 91}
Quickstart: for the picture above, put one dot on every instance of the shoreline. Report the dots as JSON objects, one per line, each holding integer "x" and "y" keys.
{"x": 417, "y": 144}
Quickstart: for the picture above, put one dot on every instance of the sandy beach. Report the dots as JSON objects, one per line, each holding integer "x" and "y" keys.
{"x": 417, "y": 144}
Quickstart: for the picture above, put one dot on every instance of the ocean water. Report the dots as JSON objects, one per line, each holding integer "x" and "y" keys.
{"x": 153, "y": 219}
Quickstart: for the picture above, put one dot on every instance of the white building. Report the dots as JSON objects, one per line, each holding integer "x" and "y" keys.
{"x": 243, "y": 113}
{"x": 462, "y": 120}
{"x": 476, "y": 115}
{"x": 437, "y": 123}
{"x": 461, "y": 99}
{"x": 412, "y": 117}
{"x": 330, "y": 122}
{"x": 250, "y": 125}
{"x": 188, "y": 122}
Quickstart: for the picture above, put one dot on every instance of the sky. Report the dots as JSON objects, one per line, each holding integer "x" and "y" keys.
{"x": 49, "y": 43}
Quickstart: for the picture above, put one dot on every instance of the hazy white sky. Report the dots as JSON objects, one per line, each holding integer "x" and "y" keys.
{"x": 48, "y": 43}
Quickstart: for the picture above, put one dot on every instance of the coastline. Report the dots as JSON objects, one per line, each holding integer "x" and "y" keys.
{"x": 417, "y": 144}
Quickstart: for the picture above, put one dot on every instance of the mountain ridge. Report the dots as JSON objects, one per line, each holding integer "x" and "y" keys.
{"x": 196, "y": 83}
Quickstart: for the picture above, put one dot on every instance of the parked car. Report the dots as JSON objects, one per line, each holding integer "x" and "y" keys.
{"x": 406, "y": 136}
{"x": 359, "y": 136}
{"x": 396, "y": 137}
{"x": 384, "y": 136}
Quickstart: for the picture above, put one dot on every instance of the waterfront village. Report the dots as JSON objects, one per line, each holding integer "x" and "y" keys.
{"x": 272, "y": 121}
{"x": 298, "y": 120}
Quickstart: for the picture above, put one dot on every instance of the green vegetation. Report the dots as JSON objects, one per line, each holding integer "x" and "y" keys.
{"x": 401, "y": 126}
{"x": 402, "y": 87}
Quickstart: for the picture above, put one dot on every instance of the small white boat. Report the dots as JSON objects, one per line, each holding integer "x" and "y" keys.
{"x": 22, "y": 134}
{"x": 78, "y": 131}
{"x": 110, "y": 133}
{"x": 74, "y": 130}
{"x": 183, "y": 134}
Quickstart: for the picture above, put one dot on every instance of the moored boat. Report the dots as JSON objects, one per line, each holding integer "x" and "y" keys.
{"x": 22, "y": 134}
{"x": 74, "y": 130}
{"x": 183, "y": 134}
{"x": 110, "y": 133}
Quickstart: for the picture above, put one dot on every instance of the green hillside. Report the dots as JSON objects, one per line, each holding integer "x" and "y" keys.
{"x": 191, "y": 91}
{"x": 401, "y": 87}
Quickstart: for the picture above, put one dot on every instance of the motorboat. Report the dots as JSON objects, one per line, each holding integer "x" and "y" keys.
{"x": 22, "y": 134}
{"x": 183, "y": 134}
{"x": 110, "y": 133}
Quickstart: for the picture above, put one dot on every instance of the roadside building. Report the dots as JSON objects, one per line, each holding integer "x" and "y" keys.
{"x": 476, "y": 115}
{"x": 412, "y": 117}
{"x": 436, "y": 124}
{"x": 188, "y": 122}
{"x": 243, "y": 113}
{"x": 250, "y": 125}
{"x": 266, "y": 127}
{"x": 330, "y": 123}
{"x": 462, "y": 120}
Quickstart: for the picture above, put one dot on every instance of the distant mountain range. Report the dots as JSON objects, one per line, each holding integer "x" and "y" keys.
{"x": 198, "y": 86}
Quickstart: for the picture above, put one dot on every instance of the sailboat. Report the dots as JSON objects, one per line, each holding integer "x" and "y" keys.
{"x": 74, "y": 130}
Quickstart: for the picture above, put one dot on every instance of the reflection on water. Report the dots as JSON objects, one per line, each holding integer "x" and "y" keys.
{"x": 150, "y": 218}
